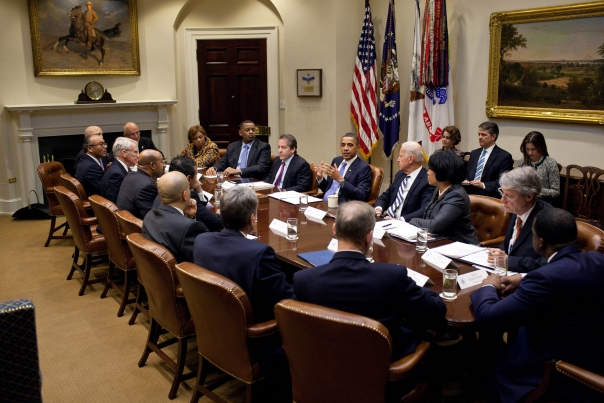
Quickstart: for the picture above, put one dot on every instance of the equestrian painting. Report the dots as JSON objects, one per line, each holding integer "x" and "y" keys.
{"x": 96, "y": 37}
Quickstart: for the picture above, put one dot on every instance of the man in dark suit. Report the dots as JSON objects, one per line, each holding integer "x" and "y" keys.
{"x": 186, "y": 166}
{"x": 251, "y": 264}
{"x": 125, "y": 151}
{"x": 91, "y": 169}
{"x": 139, "y": 189}
{"x": 407, "y": 200}
{"x": 131, "y": 131}
{"x": 348, "y": 176}
{"x": 487, "y": 163}
{"x": 380, "y": 291}
{"x": 520, "y": 190}
{"x": 291, "y": 172}
{"x": 247, "y": 157}
{"x": 173, "y": 223}
{"x": 558, "y": 311}
{"x": 90, "y": 130}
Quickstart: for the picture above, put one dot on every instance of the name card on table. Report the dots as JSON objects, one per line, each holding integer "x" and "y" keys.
{"x": 419, "y": 278}
{"x": 279, "y": 227}
{"x": 333, "y": 245}
{"x": 437, "y": 260}
{"x": 471, "y": 279}
{"x": 315, "y": 214}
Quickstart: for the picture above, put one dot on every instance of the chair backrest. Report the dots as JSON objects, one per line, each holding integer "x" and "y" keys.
{"x": 74, "y": 213}
{"x": 333, "y": 356}
{"x": 590, "y": 237}
{"x": 583, "y": 192}
{"x": 118, "y": 249}
{"x": 129, "y": 224}
{"x": 74, "y": 185}
{"x": 222, "y": 313}
{"x": 314, "y": 189}
{"x": 377, "y": 175}
{"x": 50, "y": 175}
{"x": 488, "y": 216}
{"x": 156, "y": 267}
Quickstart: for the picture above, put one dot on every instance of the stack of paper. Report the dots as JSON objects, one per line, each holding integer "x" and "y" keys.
{"x": 292, "y": 197}
{"x": 458, "y": 250}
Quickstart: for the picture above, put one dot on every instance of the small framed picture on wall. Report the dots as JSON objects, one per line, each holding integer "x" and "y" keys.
{"x": 310, "y": 83}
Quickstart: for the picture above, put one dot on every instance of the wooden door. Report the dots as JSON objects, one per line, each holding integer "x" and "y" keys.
{"x": 232, "y": 86}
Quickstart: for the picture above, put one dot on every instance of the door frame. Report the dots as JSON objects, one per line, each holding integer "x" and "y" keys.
{"x": 270, "y": 33}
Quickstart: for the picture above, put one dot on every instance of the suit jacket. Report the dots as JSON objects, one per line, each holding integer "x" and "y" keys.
{"x": 137, "y": 193}
{"x": 259, "y": 158}
{"x": 499, "y": 162}
{"x": 559, "y": 311}
{"x": 166, "y": 226}
{"x": 449, "y": 215}
{"x": 208, "y": 218}
{"x": 112, "y": 180}
{"x": 145, "y": 143}
{"x": 380, "y": 291}
{"x": 256, "y": 269}
{"x": 296, "y": 178}
{"x": 418, "y": 196}
{"x": 90, "y": 174}
{"x": 523, "y": 257}
{"x": 81, "y": 154}
{"x": 357, "y": 181}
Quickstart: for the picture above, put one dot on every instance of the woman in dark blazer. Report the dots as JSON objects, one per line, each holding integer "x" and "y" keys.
{"x": 448, "y": 213}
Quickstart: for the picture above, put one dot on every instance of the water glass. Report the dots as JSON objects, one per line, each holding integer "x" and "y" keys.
{"x": 501, "y": 265}
{"x": 421, "y": 243}
{"x": 219, "y": 178}
{"x": 449, "y": 284}
{"x": 217, "y": 195}
{"x": 303, "y": 202}
{"x": 292, "y": 229}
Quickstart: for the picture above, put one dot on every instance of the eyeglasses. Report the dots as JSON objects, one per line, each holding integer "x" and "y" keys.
{"x": 506, "y": 197}
{"x": 102, "y": 144}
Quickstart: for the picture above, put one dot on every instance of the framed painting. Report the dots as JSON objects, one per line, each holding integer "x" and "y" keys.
{"x": 97, "y": 37}
{"x": 548, "y": 64}
{"x": 309, "y": 82}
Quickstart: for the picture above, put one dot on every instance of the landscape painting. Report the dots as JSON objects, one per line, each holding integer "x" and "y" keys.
{"x": 97, "y": 37}
{"x": 547, "y": 64}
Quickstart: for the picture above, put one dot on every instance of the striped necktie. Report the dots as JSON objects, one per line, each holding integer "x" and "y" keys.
{"x": 399, "y": 198}
{"x": 480, "y": 165}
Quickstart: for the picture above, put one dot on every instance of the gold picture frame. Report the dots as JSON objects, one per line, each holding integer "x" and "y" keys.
{"x": 60, "y": 44}
{"x": 536, "y": 74}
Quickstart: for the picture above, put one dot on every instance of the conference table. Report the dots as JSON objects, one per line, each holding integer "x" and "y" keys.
{"x": 315, "y": 236}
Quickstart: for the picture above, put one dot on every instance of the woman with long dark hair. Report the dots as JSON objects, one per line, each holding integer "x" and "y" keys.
{"x": 534, "y": 151}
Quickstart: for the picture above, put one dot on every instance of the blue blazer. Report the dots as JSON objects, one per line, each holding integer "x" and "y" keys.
{"x": 297, "y": 177}
{"x": 558, "y": 308}
{"x": 112, "y": 180}
{"x": 357, "y": 181}
{"x": 380, "y": 291}
{"x": 417, "y": 198}
{"x": 82, "y": 154}
{"x": 137, "y": 193}
{"x": 90, "y": 174}
{"x": 208, "y": 218}
{"x": 251, "y": 264}
{"x": 259, "y": 158}
{"x": 499, "y": 162}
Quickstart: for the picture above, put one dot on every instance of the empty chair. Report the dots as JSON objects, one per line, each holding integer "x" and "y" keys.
{"x": 336, "y": 356}
{"x": 50, "y": 175}
{"x": 489, "y": 219}
{"x": 377, "y": 175}
{"x": 590, "y": 237}
{"x": 74, "y": 186}
{"x": 167, "y": 305}
{"x": 85, "y": 237}
{"x": 582, "y": 191}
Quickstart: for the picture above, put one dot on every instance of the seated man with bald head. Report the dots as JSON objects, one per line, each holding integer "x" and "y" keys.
{"x": 173, "y": 223}
{"x": 132, "y": 132}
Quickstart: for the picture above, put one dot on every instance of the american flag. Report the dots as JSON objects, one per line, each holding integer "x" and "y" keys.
{"x": 363, "y": 106}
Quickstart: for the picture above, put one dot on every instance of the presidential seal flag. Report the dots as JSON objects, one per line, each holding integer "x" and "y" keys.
{"x": 363, "y": 105}
{"x": 390, "y": 97}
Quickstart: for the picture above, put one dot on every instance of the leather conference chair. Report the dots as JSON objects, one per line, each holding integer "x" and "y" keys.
{"x": 590, "y": 237}
{"x": 167, "y": 306}
{"x": 377, "y": 175}
{"x": 74, "y": 186}
{"x": 225, "y": 327}
{"x": 490, "y": 220}
{"x": 335, "y": 356}
{"x": 85, "y": 237}
{"x": 117, "y": 248}
{"x": 50, "y": 175}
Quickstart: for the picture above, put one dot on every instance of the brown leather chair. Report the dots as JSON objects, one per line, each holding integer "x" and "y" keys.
{"x": 74, "y": 186}
{"x": 336, "y": 356}
{"x": 224, "y": 323}
{"x": 117, "y": 247}
{"x": 377, "y": 175}
{"x": 590, "y": 237}
{"x": 581, "y": 194}
{"x": 490, "y": 220}
{"x": 85, "y": 237}
{"x": 167, "y": 305}
{"x": 50, "y": 175}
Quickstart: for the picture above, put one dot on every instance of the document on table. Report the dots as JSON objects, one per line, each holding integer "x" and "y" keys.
{"x": 480, "y": 258}
{"x": 457, "y": 250}
{"x": 292, "y": 197}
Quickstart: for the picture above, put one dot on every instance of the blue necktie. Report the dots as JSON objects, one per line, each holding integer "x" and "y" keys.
{"x": 335, "y": 184}
{"x": 480, "y": 165}
{"x": 399, "y": 198}
{"x": 243, "y": 157}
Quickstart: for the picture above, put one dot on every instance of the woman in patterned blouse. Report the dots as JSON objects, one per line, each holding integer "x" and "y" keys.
{"x": 200, "y": 148}
{"x": 535, "y": 154}
{"x": 451, "y": 138}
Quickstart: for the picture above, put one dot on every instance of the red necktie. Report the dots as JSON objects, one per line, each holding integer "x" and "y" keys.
{"x": 518, "y": 227}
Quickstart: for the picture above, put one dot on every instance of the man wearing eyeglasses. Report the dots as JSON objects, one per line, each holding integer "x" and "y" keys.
{"x": 132, "y": 132}
{"x": 139, "y": 189}
{"x": 90, "y": 130}
{"x": 91, "y": 169}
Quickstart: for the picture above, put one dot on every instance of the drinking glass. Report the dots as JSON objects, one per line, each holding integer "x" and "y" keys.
{"x": 501, "y": 265}
{"x": 292, "y": 229}
{"x": 303, "y": 202}
{"x": 421, "y": 244}
{"x": 217, "y": 195}
{"x": 449, "y": 284}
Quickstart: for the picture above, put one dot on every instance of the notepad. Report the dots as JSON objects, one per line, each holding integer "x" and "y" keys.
{"x": 317, "y": 258}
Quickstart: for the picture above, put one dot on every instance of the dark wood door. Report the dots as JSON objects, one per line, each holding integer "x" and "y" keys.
{"x": 232, "y": 86}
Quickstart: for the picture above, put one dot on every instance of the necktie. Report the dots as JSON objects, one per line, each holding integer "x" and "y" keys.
{"x": 480, "y": 165}
{"x": 243, "y": 157}
{"x": 101, "y": 164}
{"x": 335, "y": 184}
{"x": 400, "y": 198}
{"x": 278, "y": 180}
{"x": 518, "y": 229}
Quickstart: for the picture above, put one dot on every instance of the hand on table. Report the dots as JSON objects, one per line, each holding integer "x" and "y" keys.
{"x": 510, "y": 283}
{"x": 211, "y": 171}
{"x": 232, "y": 171}
{"x": 494, "y": 280}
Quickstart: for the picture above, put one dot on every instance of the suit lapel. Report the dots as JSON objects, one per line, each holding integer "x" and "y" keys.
{"x": 491, "y": 160}
{"x": 413, "y": 186}
{"x": 351, "y": 168}
{"x": 526, "y": 227}
{"x": 290, "y": 168}
{"x": 253, "y": 149}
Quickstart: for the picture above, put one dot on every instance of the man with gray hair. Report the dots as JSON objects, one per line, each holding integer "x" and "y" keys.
{"x": 380, "y": 291}
{"x": 125, "y": 152}
{"x": 520, "y": 193}
{"x": 410, "y": 192}
{"x": 251, "y": 264}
